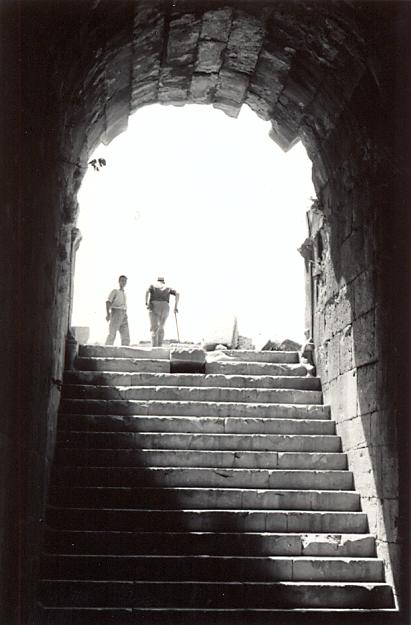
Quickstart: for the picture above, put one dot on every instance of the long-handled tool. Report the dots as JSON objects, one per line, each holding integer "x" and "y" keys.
{"x": 178, "y": 334}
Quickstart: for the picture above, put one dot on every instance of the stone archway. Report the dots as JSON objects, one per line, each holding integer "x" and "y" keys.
{"x": 314, "y": 70}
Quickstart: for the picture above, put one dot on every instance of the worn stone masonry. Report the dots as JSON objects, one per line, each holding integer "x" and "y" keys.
{"x": 223, "y": 481}
{"x": 334, "y": 75}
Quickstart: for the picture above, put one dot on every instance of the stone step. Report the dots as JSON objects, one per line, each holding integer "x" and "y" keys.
{"x": 222, "y": 425}
{"x": 193, "y": 408}
{"x": 123, "y": 364}
{"x": 192, "y": 394}
{"x": 211, "y": 568}
{"x": 111, "y": 519}
{"x": 215, "y": 459}
{"x": 231, "y": 367}
{"x": 211, "y": 543}
{"x": 170, "y": 498}
{"x": 226, "y": 367}
{"x": 113, "y": 378}
{"x": 205, "y": 616}
{"x": 163, "y": 353}
{"x": 250, "y": 595}
{"x": 212, "y": 442}
{"x": 133, "y": 352}
{"x": 243, "y": 355}
{"x": 203, "y": 477}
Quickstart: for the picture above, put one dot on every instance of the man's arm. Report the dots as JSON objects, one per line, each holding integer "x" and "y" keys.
{"x": 108, "y": 310}
{"x": 148, "y": 298}
{"x": 177, "y": 296}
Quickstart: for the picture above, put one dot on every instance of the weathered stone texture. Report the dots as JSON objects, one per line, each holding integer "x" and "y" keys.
{"x": 174, "y": 85}
{"x": 333, "y": 357}
{"x": 178, "y": 66}
{"x": 364, "y": 293}
{"x": 269, "y": 76}
{"x": 209, "y": 56}
{"x": 285, "y": 136}
{"x": 244, "y": 43}
{"x": 352, "y": 119}
{"x": 203, "y": 87}
{"x": 346, "y": 350}
{"x": 365, "y": 339}
{"x": 342, "y": 396}
{"x": 217, "y": 24}
{"x": 183, "y": 34}
{"x": 148, "y": 36}
{"x": 231, "y": 91}
{"x": 367, "y": 389}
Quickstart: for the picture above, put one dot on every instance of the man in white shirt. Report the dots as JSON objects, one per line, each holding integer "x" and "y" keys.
{"x": 116, "y": 309}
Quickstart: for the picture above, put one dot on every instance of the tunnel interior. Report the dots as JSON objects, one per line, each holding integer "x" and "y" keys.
{"x": 330, "y": 74}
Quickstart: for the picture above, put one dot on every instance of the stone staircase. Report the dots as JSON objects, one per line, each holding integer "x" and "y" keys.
{"x": 221, "y": 497}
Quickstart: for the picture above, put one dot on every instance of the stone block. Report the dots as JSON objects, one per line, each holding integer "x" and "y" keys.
{"x": 355, "y": 435}
{"x": 329, "y": 317}
{"x": 319, "y": 327}
{"x": 203, "y": 87}
{"x": 340, "y": 140}
{"x": 387, "y": 524}
{"x": 81, "y": 333}
{"x": 390, "y": 471}
{"x": 174, "y": 85}
{"x": 343, "y": 396}
{"x": 259, "y": 105}
{"x": 367, "y": 389}
{"x": 344, "y": 308}
{"x": 147, "y": 21}
{"x": 217, "y": 24}
{"x": 143, "y": 93}
{"x": 146, "y": 68}
{"x": 364, "y": 463}
{"x": 322, "y": 363}
{"x": 230, "y": 92}
{"x": 118, "y": 69}
{"x": 364, "y": 293}
{"x": 187, "y": 359}
{"x": 352, "y": 256}
{"x": 334, "y": 357}
{"x": 300, "y": 86}
{"x": 371, "y": 507}
{"x": 244, "y": 43}
{"x": 117, "y": 111}
{"x": 209, "y": 57}
{"x": 320, "y": 175}
{"x": 284, "y": 135}
{"x": 267, "y": 80}
{"x": 390, "y": 554}
{"x": 183, "y": 34}
{"x": 364, "y": 339}
{"x": 384, "y": 428}
{"x": 330, "y": 284}
{"x": 346, "y": 347}
{"x": 147, "y": 49}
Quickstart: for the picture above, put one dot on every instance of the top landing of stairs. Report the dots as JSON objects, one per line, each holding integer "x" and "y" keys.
{"x": 165, "y": 353}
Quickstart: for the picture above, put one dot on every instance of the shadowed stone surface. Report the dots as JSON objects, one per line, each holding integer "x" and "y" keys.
{"x": 220, "y": 487}
{"x": 334, "y": 75}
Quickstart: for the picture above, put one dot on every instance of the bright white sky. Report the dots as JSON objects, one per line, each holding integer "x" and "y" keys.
{"x": 211, "y": 203}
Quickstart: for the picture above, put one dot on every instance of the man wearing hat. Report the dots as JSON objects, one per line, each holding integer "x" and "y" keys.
{"x": 157, "y": 302}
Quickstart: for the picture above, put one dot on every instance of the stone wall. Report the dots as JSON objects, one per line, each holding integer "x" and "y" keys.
{"x": 357, "y": 320}
{"x": 323, "y": 72}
